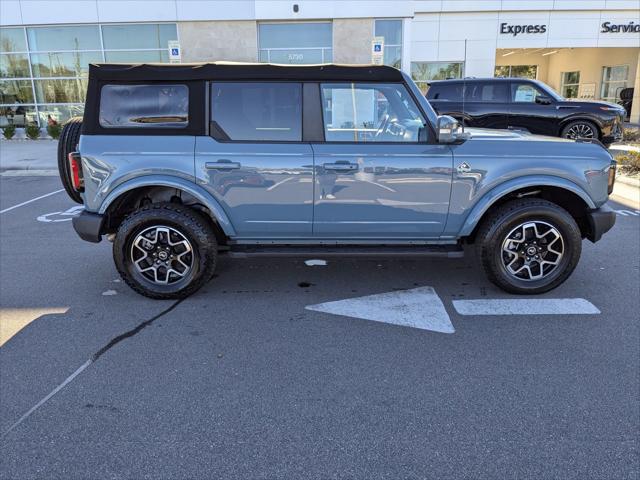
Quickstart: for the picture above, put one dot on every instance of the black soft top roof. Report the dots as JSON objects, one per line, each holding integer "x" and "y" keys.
{"x": 241, "y": 71}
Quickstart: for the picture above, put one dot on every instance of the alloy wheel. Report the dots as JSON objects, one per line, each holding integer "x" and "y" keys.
{"x": 580, "y": 130}
{"x": 532, "y": 250}
{"x": 162, "y": 255}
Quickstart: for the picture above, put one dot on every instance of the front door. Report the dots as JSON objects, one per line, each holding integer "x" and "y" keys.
{"x": 529, "y": 113}
{"x": 377, "y": 175}
{"x": 254, "y": 162}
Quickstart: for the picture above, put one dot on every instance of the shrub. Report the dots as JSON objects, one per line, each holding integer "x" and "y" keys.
{"x": 629, "y": 163}
{"x": 631, "y": 135}
{"x": 32, "y": 131}
{"x": 54, "y": 130}
{"x": 9, "y": 131}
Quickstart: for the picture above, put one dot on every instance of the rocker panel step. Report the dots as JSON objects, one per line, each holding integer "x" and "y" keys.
{"x": 448, "y": 251}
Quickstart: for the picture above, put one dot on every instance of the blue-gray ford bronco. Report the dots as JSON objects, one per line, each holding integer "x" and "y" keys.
{"x": 177, "y": 164}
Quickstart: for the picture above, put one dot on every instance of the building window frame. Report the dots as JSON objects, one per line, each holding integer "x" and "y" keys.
{"x": 392, "y": 45}
{"x": 608, "y": 83}
{"x": 323, "y": 50}
{"x": 565, "y": 85}
{"x": 511, "y": 67}
{"x": 422, "y": 83}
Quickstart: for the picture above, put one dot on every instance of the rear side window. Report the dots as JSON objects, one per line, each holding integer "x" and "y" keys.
{"x": 487, "y": 92}
{"x": 447, "y": 91}
{"x": 144, "y": 106}
{"x": 251, "y": 111}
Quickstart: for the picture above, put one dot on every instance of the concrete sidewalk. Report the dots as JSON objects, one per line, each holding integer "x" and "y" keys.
{"x": 28, "y": 155}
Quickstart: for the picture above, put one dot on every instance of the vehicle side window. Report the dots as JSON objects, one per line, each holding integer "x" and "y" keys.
{"x": 360, "y": 112}
{"x": 524, "y": 93}
{"x": 451, "y": 92}
{"x": 144, "y": 106}
{"x": 495, "y": 92}
{"x": 257, "y": 111}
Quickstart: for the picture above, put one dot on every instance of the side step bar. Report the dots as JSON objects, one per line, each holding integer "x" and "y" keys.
{"x": 246, "y": 251}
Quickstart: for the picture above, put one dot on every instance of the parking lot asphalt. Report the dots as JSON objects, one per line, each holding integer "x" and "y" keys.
{"x": 240, "y": 380}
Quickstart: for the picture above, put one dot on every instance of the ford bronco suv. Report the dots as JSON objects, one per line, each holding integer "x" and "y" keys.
{"x": 177, "y": 164}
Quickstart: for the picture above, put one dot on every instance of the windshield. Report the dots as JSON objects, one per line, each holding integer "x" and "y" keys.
{"x": 550, "y": 91}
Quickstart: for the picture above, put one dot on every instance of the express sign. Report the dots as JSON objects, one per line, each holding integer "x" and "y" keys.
{"x": 516, "y": 30}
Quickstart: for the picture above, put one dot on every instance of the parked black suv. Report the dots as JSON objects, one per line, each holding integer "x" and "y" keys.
{"x": 524, "y": 104}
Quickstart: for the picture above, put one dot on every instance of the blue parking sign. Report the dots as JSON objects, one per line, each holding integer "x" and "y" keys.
{"x": 377, "y": 47}
{"x": 175, "y": 52}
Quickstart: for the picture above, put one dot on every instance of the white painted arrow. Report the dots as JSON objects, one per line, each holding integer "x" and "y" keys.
{"x": 417, "y": 308}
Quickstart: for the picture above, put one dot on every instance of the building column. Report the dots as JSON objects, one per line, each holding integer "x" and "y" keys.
{"x": 406, "y": 46}
{"x": 352, "y": 40}
{"x": 635, "y": 107}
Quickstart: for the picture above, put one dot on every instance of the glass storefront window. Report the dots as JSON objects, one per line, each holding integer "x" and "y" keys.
{"x": 18, "y": 115}
{"x": 391, "y": 30}
{"x": 422, "y": 72}
{"x": 15, "y": 91}
{"x": 59, "y": 113}
{"x": 14, "y": 65}
{"x": 79, "y": 37}
{"x": 12, "y": 40}
{"x": 309, "y": 42}
{"x": 137, "y": 57}
{"x": 570, "y": 84}
{"x": 517, "y": 71}
{"x": 614, "y": 79}
{"x": 128, "y": 37}
{"x": 53, "y": 61}
{"x": 61, "y": 91}
{"x": 71, "y": 64}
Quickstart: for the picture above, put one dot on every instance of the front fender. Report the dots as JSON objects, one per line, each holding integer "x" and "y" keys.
{"x": 499, "y": 191}
{"x": 173, "y": 182}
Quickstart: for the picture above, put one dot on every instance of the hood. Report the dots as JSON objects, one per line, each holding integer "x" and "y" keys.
{"x": 493, "y": 134}
{"x": 590, "y": 104}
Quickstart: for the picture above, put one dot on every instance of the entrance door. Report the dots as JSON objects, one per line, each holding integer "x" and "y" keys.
{"x": 376, "y": 174}
{"x": 254, "y": 162}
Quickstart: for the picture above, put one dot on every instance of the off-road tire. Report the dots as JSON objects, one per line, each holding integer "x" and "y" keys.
{"x": 67, "y": 143}
{"x": 190, "y": 223}
{"x": 496, "y": 226}
{"x": 576, "y": 124}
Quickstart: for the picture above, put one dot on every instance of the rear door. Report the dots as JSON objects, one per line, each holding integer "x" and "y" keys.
{"x": 487, "y": 104}
{"x": 378, "y": 173}
{"x": 254, "y": 161}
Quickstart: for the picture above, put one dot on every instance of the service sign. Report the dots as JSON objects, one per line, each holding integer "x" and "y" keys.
{"x": 175, "y": 53}
{"x": 377, "y": 51}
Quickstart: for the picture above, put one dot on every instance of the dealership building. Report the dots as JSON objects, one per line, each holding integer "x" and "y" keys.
{"x": 582, "y": 48}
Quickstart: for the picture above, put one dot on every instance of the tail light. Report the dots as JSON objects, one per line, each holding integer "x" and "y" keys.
{"x": 612, "y": 176}
{"x": 75, "y": 166}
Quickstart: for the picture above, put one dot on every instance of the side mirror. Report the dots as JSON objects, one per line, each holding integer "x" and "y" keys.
{"x": 543, "y": 100}
{"x": 448, "y": 129}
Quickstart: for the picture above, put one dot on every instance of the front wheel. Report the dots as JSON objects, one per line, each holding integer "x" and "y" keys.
{"x": 529, "y": 246}
{"x": 580, "y": 129}
{"x": 165, "y": 251}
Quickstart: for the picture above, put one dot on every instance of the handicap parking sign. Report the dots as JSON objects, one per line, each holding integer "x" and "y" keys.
{"x": 175, "y": 52}
{"x": 377, "y": 47}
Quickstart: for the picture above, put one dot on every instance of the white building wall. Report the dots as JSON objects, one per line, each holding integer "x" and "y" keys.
{"x": 440, "y": 36}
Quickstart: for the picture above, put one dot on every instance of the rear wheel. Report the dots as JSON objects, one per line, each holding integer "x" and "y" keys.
{"x": 165, "y": 251}
{"x": 529, "y": 246}
{"x": 580, "y": 129}
{"x": 67, "y": 143}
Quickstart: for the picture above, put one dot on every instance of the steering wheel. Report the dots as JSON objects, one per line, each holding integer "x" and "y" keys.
{"x": 384, "y": 125}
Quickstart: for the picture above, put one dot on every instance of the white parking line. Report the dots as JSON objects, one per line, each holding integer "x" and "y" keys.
{"x": 418, "y": 308}
{"x": 30, "y": 201}
{"x": 526, "y": 306}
